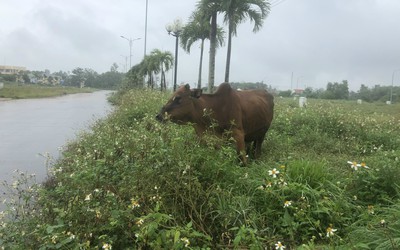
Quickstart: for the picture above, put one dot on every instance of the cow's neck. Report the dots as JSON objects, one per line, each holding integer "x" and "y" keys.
{"x": 201, "y": 104}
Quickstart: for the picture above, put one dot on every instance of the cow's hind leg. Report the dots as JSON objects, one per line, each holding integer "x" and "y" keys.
{"x": 257, "y": 147}
{"x": 238, "y": 135}
{"x": 250, "y": 149}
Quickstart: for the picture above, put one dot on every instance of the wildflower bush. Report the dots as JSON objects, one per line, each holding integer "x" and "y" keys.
{"x": 326, "y": 179}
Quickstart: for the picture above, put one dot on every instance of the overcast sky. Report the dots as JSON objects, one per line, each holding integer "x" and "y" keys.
{"x": 319, "y": 41}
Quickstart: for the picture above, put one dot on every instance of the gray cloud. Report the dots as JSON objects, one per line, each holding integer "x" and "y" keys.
{"x": 319, "y": 41}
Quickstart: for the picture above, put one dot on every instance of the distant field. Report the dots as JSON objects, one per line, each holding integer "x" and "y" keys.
{"x": 15, "y": 91}
{"x": 345, "y": 106}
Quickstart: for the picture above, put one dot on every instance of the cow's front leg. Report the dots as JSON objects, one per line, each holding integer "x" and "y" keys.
{"x": 238, "y": 135}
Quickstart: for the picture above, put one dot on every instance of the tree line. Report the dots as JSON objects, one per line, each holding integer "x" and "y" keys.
{"x": 78, "y": 77}
{"x": 340, "y": 91}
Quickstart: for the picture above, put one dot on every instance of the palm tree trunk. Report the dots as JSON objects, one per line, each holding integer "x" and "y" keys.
{"x": 228, "y": 54}
{"x": 201, "y": 64}
{"x": 163, "y": 83}
{"x": 162, "y": 74}
{"x": 213, "y": 46}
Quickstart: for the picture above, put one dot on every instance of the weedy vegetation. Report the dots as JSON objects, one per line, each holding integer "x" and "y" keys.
{"x": 328, "y": 178}
{"x": 17, "y": 91}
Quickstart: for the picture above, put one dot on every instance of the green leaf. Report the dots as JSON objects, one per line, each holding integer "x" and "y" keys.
{"x": 177, "y": 236}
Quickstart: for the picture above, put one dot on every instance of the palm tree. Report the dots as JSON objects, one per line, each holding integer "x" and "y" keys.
{"x": 164, "y": 60}
{"x": 198, "y": 28}
{"x": 236, "y": 12}
{"x": 149, "y": 67}
{"x": 210, "y": 9}
{"x": 152, "y": 64}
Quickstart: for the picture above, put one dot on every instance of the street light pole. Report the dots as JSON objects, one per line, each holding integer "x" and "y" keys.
{"x": 175, "y": 30}
{"x": 130, "y": 40}
{"x": 145, "y": 28}
{"x": 391, "y": 90}
{"x": 176, "y": 61}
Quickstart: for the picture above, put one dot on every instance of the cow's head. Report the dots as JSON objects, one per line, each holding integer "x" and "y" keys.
{"x": 179, "y": 108}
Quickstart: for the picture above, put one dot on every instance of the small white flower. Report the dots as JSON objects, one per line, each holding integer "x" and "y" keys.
{"x": 107, "y": 246}
{"x": 273, "y": 172}
{"x": 354, "y": 165}
{"x": 134, "y": 203}
{"x": 282, "y": 182}
{"x": 287, "y": 204}
{"x": 279, "y": 246}
{"x": 186, "y": 241}
{"x": 330, "y": 231}
{"x": 54, "y": 239}
{"x": 140, "y": 222}
{"x": 262, "y": 187}
{"x": 71, "y": 235}
{"x": 88, "y": 197}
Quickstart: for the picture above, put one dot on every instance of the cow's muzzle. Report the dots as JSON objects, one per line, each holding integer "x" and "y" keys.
{"x": 163, "y": 116}
{"x": 160, "y": 118}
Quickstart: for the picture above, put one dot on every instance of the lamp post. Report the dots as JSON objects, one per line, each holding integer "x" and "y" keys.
{"x": 391, "y": 90}
{"x": 130, "y": 40}
{"x": 175, "y": 30}
{"x": 145, "y": 28}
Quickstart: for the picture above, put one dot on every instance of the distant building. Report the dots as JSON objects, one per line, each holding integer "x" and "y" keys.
{"x": 10, "y": 70}
{"x": 297, "y": 91}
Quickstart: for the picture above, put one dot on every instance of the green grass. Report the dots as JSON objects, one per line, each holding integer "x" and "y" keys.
{"x": 15, "y": 91}
{"x": 134, "y": 183}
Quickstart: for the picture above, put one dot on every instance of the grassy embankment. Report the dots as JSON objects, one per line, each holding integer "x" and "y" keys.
{"x": 133, "y": 183}
{"x": 15, "y": 91}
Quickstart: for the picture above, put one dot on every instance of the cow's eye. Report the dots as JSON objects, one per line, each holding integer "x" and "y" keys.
{"x": 177, "y": 99}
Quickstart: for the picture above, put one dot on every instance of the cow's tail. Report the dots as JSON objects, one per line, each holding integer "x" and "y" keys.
{"x": 270, "y": 106}
{"x": 270, "y": 100}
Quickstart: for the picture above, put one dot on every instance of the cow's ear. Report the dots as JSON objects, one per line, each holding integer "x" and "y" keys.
{"x": 196, "y": 93}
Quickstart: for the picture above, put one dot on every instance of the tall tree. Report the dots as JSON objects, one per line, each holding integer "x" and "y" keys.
{"x": 337, "y": 90}
{"x": 149, "y": 67}
{"x": 198, "y": 29}
{"x": 164, "y": 60}
{"x": 210, "y": 9}
{"x": 237, "y": 12}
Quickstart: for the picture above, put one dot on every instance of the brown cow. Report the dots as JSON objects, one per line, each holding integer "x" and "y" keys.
{"x": 246, "y": 114}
